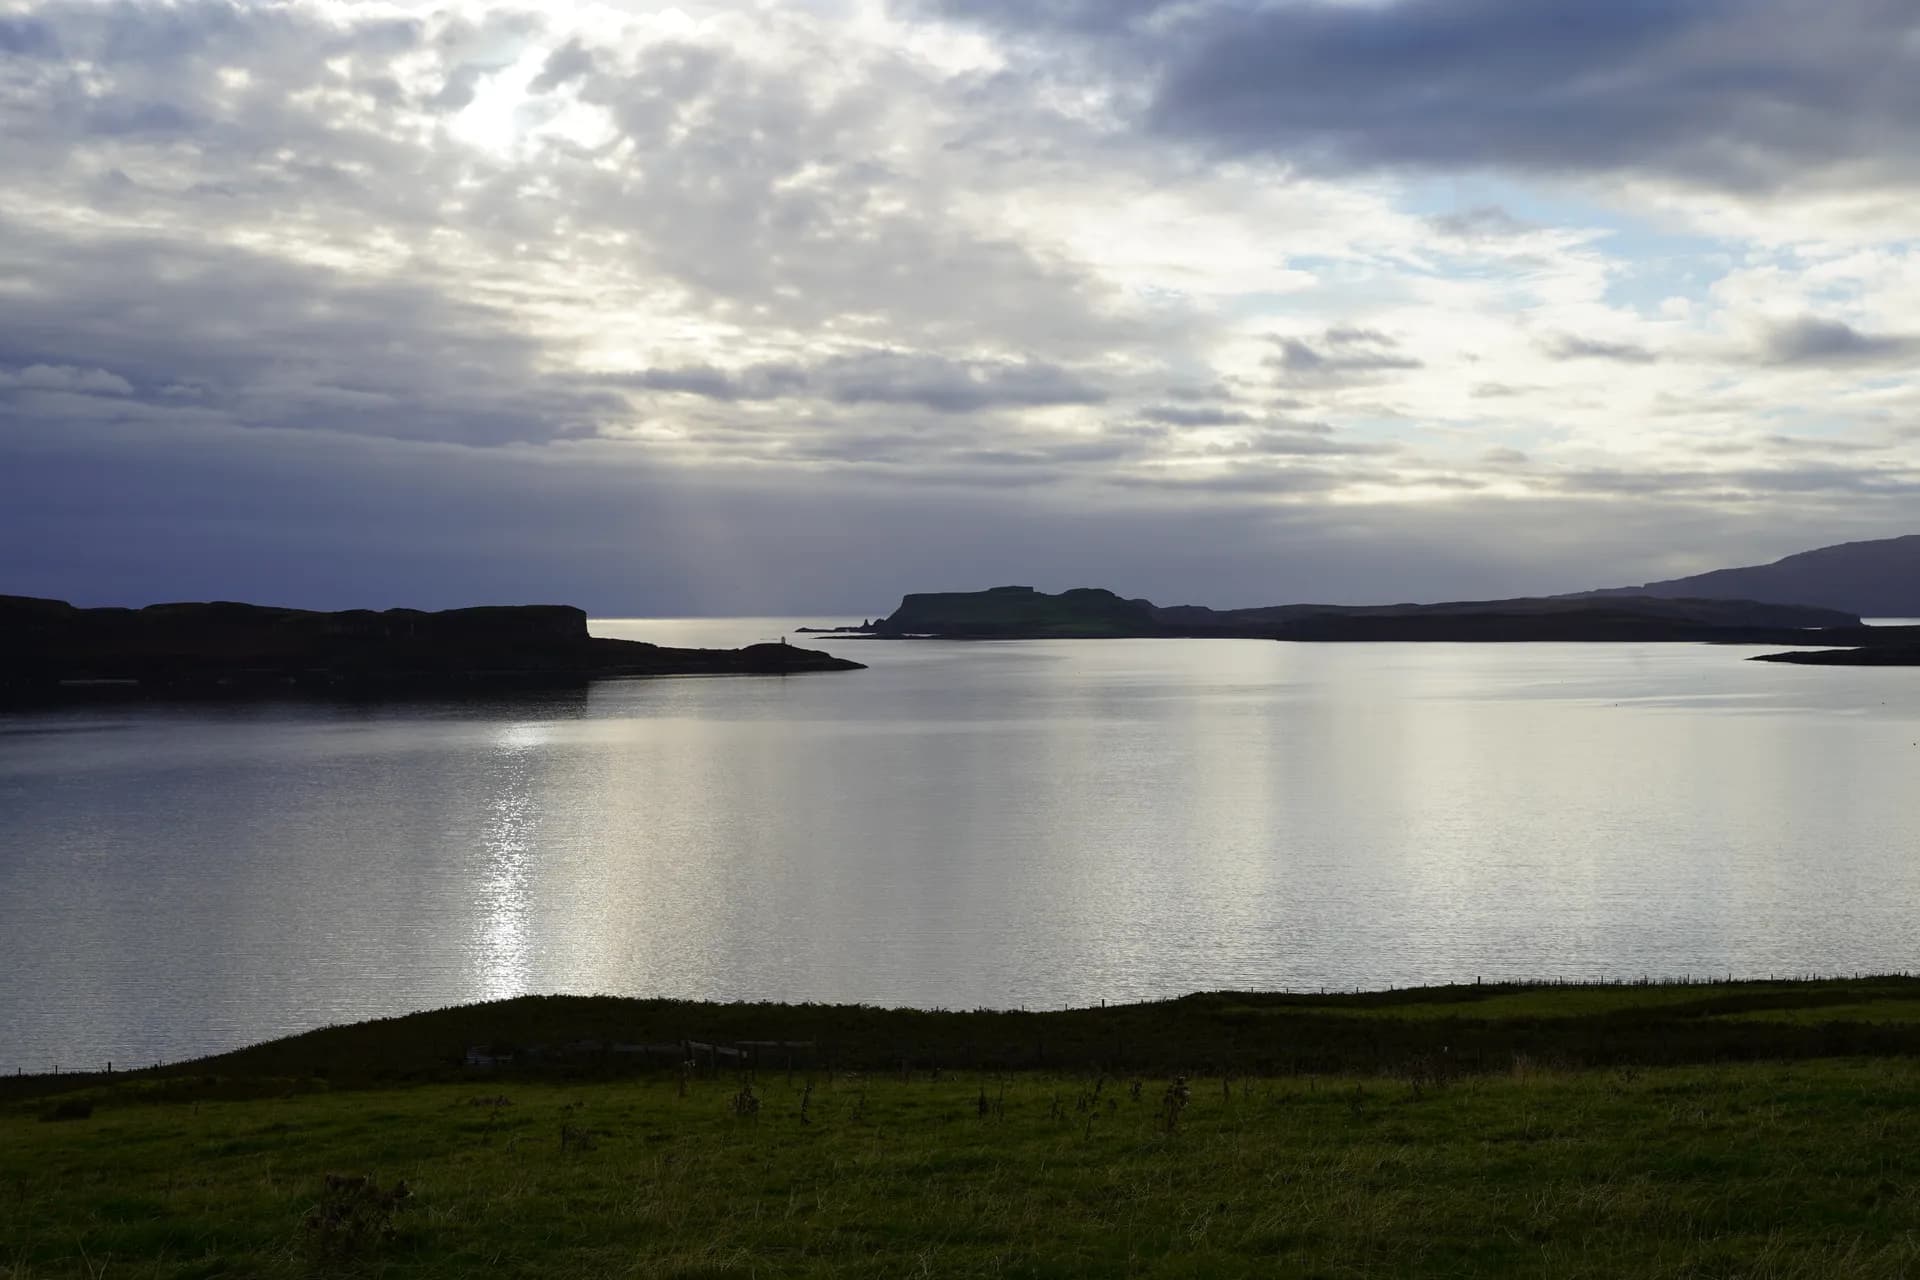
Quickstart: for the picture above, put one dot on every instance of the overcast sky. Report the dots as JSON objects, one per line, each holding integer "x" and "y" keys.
{"x": 794, "y": 307}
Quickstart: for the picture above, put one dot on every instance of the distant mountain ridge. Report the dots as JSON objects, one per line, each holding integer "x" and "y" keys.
{"x": 1877, "y": 579}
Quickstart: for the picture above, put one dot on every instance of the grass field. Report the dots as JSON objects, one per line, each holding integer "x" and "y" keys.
{"x": 1802, "y": 1165}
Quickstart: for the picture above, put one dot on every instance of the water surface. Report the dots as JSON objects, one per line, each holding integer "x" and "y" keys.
{"x": 1033, "y": 823}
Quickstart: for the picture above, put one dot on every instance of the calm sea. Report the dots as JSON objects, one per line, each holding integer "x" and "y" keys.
{"x": 1031, "y": 824}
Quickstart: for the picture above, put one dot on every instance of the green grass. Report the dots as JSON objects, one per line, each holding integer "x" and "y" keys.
{"x": 1768, "y": 1170}
{"x": 1892, "y": 1010}
{"x": 1575, "y": 1002}
{"x": 1744, "y": 1129}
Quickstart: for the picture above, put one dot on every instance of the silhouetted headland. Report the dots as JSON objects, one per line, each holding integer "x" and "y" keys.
{"x": 50, "y": 649}
{"x": 1900, "y": 650}
{"x": 1021, "y": 613}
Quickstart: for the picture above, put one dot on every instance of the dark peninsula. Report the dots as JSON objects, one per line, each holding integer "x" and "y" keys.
{"x": 1900, "y": 650}
{"x": 1021, "y": 613}
{"x": 50, "y": 650}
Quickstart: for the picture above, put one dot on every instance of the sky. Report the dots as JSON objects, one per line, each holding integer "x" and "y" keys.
{"x": 757, "y": 307}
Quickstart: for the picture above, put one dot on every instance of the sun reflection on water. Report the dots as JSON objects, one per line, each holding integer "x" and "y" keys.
{"x": 503, "y": 959}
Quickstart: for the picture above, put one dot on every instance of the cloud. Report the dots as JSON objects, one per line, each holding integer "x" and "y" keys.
{"x": 266, "y": 342}
{"x": 1811, "y": 341}
{"x": 1083, "y": 17}
{"x": 49, "y": 377}
{"x": 1482, "y": 222}
{"x": 886, "y": 377}
{"x": 1745, "y": 95}
{"x": 1311, "y": 444}
{"x": 27, "y": 37}
{"x": 1839, "y": 447}
{"x": 1344, "y": 356}
{"x": 1174, "y": 415}
{"x": 759, "y": 382}
{"x": 1745, "y": 484}
{"x": 949, "y": 386}
{"x": 1574, "y": 347}
{"x": 472, "y": 293}
{"x": 117, "y": 513}
{"x": 563, "y": 66}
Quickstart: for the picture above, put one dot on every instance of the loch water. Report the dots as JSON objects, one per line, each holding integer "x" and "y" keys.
{"x": 1000, "y": 824}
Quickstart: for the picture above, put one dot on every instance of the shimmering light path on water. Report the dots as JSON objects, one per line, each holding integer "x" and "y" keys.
{"x": 1000, "y": 824}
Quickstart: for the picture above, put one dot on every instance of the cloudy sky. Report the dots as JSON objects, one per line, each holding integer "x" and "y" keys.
{"x": 741, "y": 307}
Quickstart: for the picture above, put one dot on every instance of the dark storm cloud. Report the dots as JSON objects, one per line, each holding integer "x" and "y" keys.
{"x": 1815, "y": 342}
{"x": 886, "y": 377}
{"x": 1574, "y": 347}
{"x": 1746, "y": 95}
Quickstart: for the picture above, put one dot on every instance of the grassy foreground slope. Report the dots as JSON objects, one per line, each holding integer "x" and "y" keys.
{"x": 1438, "y": 1162}
{"x": 1474, "y": 1028}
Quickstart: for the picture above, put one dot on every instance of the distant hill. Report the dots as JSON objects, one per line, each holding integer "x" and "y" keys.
{"x": 1873, "y": 579}
{"x": 1021, "y": 613}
